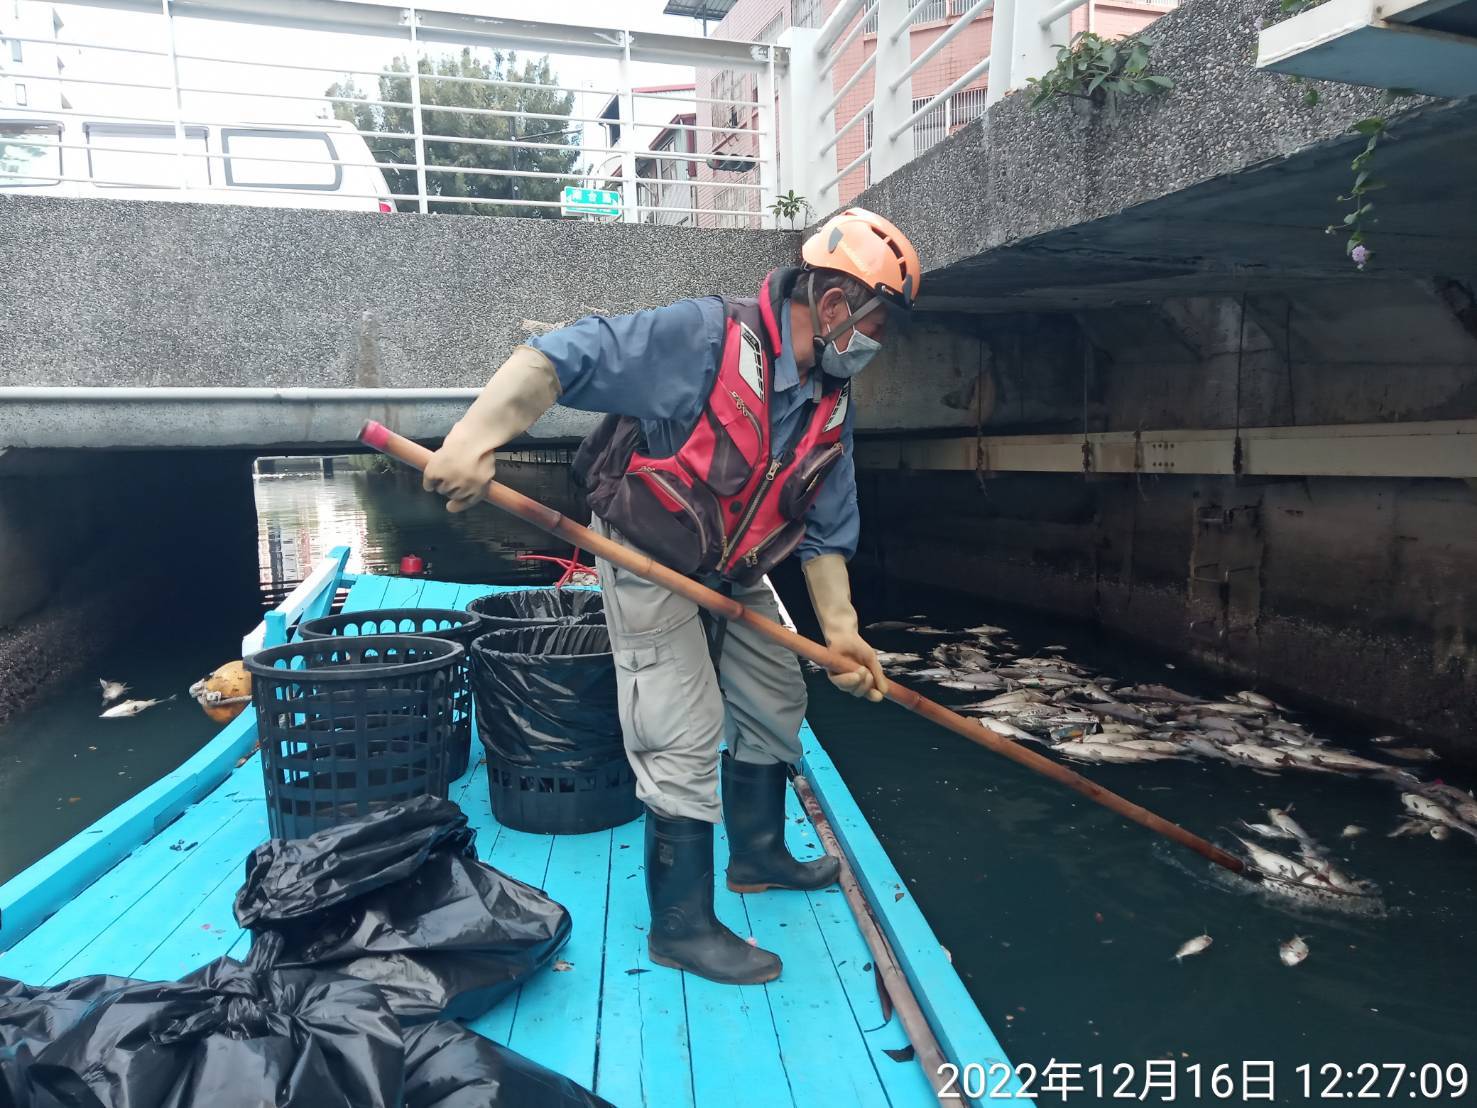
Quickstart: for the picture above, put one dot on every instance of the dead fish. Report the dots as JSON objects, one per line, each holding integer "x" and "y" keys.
{"x": 985, "y": 629}
{"x": 1231, "y": 708}
{"x": 1266, "y": 831}
{"x": 1192, "y": 946}
{"x": 1008, "y": 730}
{"x": 1428, "y": 809}
{"x": 889, "y": 625}
{"x": 1439, "y": 831}
{"x": 1330, "y": 758}
{"x": 1285, "y": 822}
{"x": 132, "y": 708}
{"x": 1154, "y": 746}
{"x": 933, "y": 674}
{"x": 1352, "y": 831}
{"x": 1383, "y": 739}
{"x": 1089, "y": 751}
{"x": 896, "y": 658}
{"x": 972, "y": 682}
{"x": 112, "y": 690}
{"x": 1256, "y": 700}
{"x": 1272, "y": 863}
{"x": 1412, "y": 753}
{"x": 1293, "y": 951}
{"x": 1054, "y": 649}
{"x": 1161, "y": 693}
{"x": 1411, "y": 827}
{"x": 1262, "y": 756}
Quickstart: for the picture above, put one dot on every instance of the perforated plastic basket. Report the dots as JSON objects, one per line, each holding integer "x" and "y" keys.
{"x": 521, "y": 607}
{"x": 442, "y": 623}
{"x": 350, "y": 725}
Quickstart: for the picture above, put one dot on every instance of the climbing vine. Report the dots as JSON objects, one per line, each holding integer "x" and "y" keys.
{"x": 1357, "y": 220}
{"x": 1091, "y": 67}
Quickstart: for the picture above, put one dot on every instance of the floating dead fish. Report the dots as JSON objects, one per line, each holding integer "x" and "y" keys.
{"x": 1231, "y": 708}
{"x": 1257, "y": 700}
{"x": 1266, "y": 831}
{"x": 897, "y": 658}
{"x": 1089, "y": 751}
{"x": 1293, "y": 951}
{"x": 1283, "y": 821}
{"x": 1260, "y": 756}
{"x": 112, "y": 690}
{"x": 1352, "y": 831}
{"x": 132, "y": 708}
{"x": 1008, "y": 730}
{"x": 1159, "y": 693}
{"x": 985, "y": 629}
{"x": 1412, "y": 753}
{"x": 1439, "y": 831}
{"x": 889, "y": 625}
{"x": 1427, "y": 809}
{"x": 1192, "y": 946}
{"x": 1055, "y": 648}
{"x": 1383, "y": 739}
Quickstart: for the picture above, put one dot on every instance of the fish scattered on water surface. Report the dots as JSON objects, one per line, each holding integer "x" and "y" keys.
{"x": 1283, "y": 821}
{"x": 132, "y": 708}
{"x": 1293, "y": 951}
{"x": 112, "y": 690}
{"x": 1352, "y": 831}
{"x": 1266, "y": 831}
{"x": 1192, "y": 946}
{"x": 1412, "y": 753}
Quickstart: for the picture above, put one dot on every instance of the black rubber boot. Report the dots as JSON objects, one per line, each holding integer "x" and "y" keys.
{"x": 685, "y": 934}
{"x": 754, "y": 813}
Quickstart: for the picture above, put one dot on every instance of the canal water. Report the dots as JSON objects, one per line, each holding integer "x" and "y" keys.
{"x": 1061, "y": 918}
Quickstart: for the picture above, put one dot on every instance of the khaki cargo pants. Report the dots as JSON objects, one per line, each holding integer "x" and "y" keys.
{"x": 674, "y": 709}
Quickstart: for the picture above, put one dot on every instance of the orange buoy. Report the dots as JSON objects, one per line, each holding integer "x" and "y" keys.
{"x": 225, "y": 693}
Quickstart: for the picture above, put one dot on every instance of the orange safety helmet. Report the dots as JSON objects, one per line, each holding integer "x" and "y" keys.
{"x": 864, "y": 245}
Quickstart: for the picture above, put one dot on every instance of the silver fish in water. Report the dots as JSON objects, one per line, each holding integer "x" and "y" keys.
{"x": 112, "y": 690}
{"x": 132, "y": 708}
{"x": 1293, "y": 951}
{"x": 1192, "y": 946}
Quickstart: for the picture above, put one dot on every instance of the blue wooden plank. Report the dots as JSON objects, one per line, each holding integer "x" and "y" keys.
{"x": 811, "y": 1013}
{"x": 644, "y": 1052}
{"x": 557, "y": 1016}
{"x": 956, "y": 1021}
{"x": 93, "y": 906}
{"x": 366, "y": 593}
{"x": 51, "y": 882}
{"x": 439, "y": 594}
{"x": 150, "y": 921}
{"x": 721, "y": 1016}
{"x": 402, "y": 592}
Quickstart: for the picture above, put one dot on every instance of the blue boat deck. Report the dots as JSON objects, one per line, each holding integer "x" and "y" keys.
{"x": 636, "y": 1033}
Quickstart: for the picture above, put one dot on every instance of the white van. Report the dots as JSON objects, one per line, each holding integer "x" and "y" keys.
{"x": 326, "y": 164}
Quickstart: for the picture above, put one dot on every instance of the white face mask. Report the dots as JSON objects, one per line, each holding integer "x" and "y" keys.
{"x": 847, "y": 363}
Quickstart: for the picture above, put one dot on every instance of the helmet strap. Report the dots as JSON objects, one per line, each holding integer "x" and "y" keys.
{"x": 850, "y": 321}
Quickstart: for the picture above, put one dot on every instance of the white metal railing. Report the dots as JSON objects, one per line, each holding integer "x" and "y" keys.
{"x": 176, "y": 89}
{"x": 861, "y": 66}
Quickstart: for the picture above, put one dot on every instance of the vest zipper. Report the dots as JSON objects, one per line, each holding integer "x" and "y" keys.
{"x": 660, "y": 479}
{"x": 743, "y": 410}
{"x": 743, "y": 524}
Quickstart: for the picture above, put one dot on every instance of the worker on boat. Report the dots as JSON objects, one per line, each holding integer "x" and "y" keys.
{"x": 726, "y": 448}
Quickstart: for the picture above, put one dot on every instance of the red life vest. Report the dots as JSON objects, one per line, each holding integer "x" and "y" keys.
{"x": 729, "y": 501}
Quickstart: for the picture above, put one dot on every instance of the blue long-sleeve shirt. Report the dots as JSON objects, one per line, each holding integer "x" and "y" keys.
{"x": 659, "y": 365}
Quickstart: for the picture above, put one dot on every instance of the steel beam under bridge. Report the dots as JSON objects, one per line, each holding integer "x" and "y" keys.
{"x": 1446, "y": 448}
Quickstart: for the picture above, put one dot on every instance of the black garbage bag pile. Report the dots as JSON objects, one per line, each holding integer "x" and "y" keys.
{"x": 399, "y": 898}
{"x": 361, "y": 935}
{"x": 545, "y": 696}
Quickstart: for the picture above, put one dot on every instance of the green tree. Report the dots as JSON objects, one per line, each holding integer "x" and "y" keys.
{"x": 534, "y": 94}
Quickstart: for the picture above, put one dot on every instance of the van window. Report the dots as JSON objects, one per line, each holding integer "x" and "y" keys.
{"x": 312, "y": 154}
{"x": 144, "y": 155}
{"x": 30, "y": 153}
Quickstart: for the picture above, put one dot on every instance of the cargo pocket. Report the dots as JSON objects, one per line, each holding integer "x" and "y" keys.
{"x": 668, "y": 701}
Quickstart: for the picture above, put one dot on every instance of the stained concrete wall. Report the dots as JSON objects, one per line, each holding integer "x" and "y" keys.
{"x": 1356, "y": 592}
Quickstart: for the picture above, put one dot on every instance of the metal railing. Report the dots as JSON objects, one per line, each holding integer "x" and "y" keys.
{"x": 859, "y": 67}
{"x": 137, "y": 108}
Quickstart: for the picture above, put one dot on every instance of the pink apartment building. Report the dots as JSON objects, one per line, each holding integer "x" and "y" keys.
{"x": 764, "y": 20}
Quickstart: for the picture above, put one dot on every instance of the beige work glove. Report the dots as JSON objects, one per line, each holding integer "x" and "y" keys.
{"x": 830, "y": 595}
{"x": 523, "y": 388}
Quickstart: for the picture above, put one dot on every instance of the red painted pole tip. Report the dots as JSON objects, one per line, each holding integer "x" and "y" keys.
{"x": 374, "y": 434}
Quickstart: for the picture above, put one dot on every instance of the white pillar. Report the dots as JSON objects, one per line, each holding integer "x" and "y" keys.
{"x": 802, "y": 129}
{"x": 891, "y": 106}
{"x": 627, "y": 144}
{"x": 768, "y": 124}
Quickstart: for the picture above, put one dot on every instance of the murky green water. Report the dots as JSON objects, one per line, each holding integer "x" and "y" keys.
{"x": 1061, "y": 917}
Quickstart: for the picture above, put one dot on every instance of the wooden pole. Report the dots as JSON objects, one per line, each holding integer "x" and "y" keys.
{"x": 381, "y": 438}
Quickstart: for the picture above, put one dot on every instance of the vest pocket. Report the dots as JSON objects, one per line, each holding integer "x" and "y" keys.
{"x": 769, "y": 552}
{"x": 804, "y": 481}
{"x": 673, "y": 520}
{"x": 737, "y": 446}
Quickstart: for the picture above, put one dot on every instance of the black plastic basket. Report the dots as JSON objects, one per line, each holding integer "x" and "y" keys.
{"x": 351, "y": 725}
{"x": 520, "y": 607}
{"x": 442, "y": 623}
{"x": 562, "y": 802}
{"x": 548, "y": 719}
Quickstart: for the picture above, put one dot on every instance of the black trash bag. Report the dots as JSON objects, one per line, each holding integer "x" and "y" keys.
{"x": 519, "y": 607}
{"x": 399, "y": 898}
{"x": 545, "y": 697}
{"x": 447, "y": 1066}
{"x": 224, "y": 1036}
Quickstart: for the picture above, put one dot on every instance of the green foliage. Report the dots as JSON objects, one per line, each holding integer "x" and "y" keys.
{"x": 561, "y": 138}
{"x": 1359, "y": 218}
{"x": 789, "y": 206}
{"x": 1091, "y": 67}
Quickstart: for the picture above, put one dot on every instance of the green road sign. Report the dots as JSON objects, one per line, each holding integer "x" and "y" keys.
{"x": 578, "y": 201}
